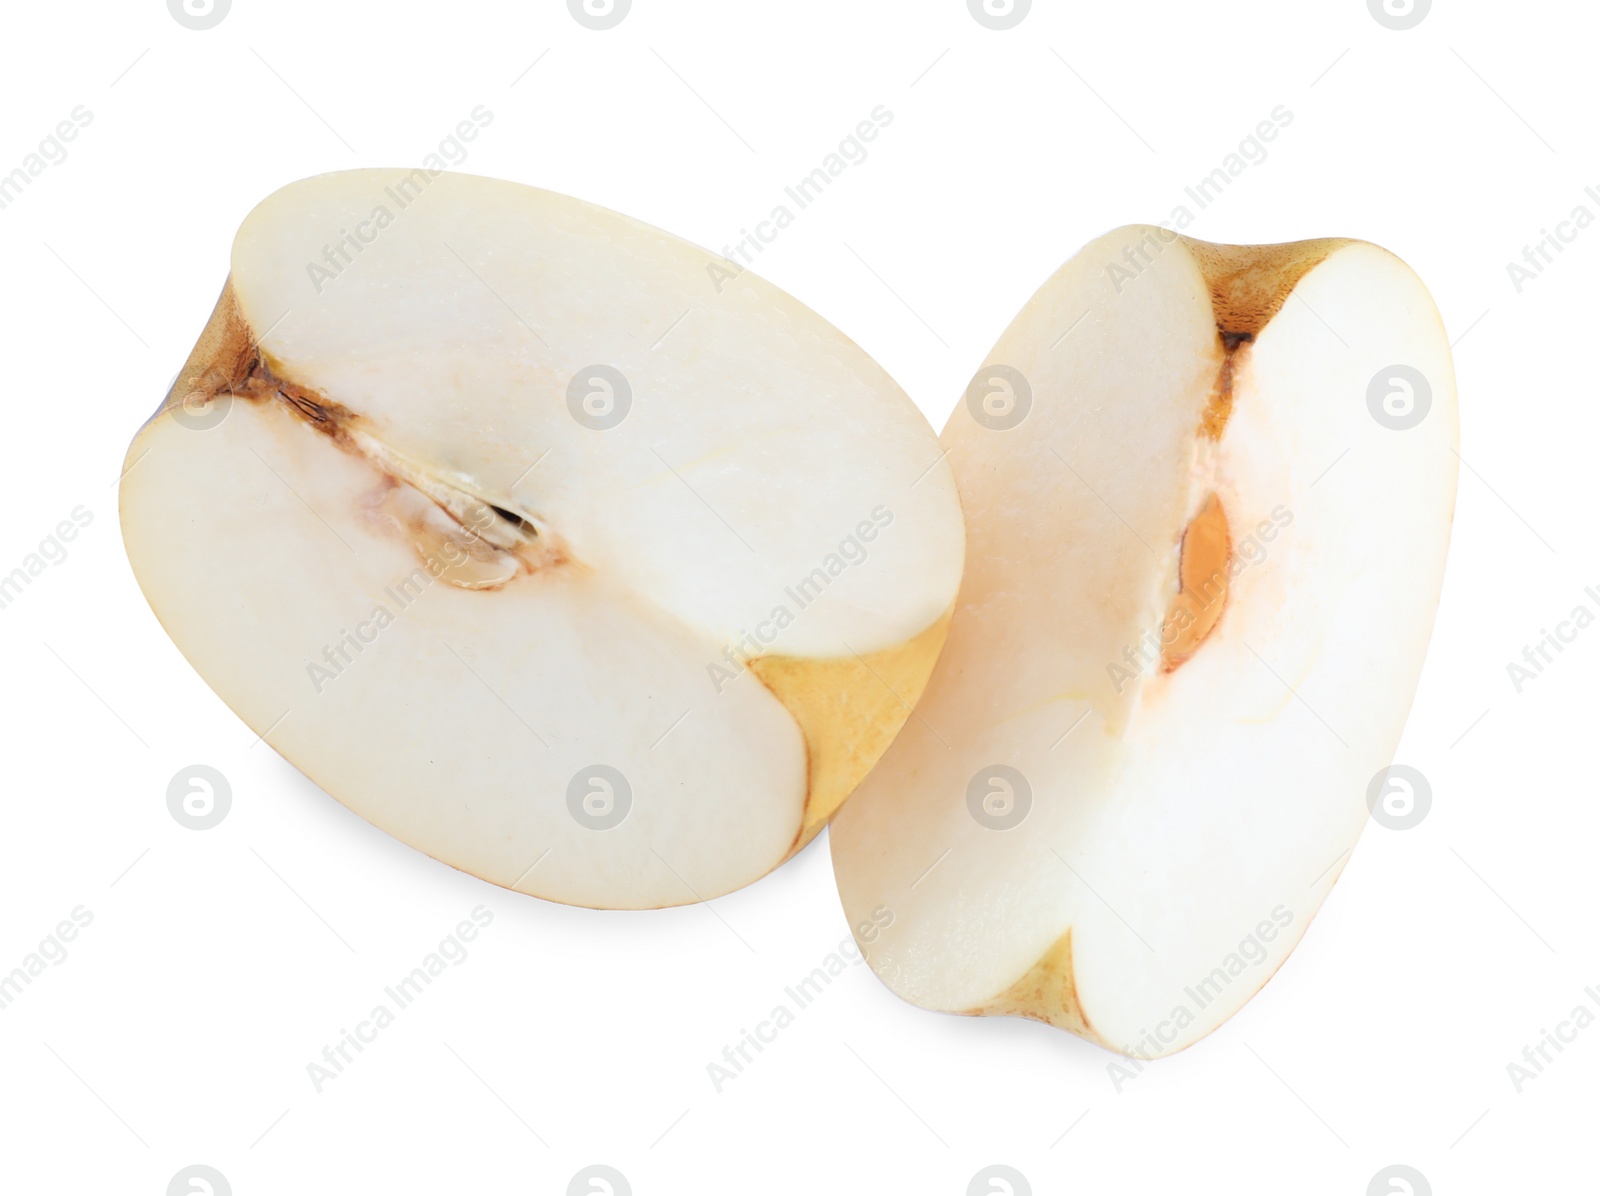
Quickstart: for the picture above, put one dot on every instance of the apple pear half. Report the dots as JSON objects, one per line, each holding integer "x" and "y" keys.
{"x": 549, "y": 543}
{"x": 1208, "y": 492}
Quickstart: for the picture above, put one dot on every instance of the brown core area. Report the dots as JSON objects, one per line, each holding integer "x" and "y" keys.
{"x": 1248, "y": 285}
{"x": 1204, "y": 556}
{"x": 462, "y": 539}
{"x": 1220, "y": 406}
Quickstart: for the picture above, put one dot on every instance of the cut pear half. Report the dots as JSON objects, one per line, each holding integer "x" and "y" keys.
{"x": 1208, "y": 493}
{"x": 538, "y": 546}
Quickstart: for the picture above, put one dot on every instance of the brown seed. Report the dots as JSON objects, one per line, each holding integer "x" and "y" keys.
{"x": 1204, "y": 556}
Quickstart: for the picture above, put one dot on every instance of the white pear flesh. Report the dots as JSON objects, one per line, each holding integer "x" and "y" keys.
{"x": 1190, "y": 797}
{"x": 372, "y": 521}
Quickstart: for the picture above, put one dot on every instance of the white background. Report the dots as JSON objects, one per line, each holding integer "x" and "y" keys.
{"x": 219, "y": 964}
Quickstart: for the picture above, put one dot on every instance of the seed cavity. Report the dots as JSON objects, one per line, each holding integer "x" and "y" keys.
{"x": 462, "y": 537}
{"x": 1205, "y": 555}
{"x": 1220, "y": 406}
{"x": 1248, "y": 284}
{"x": 513, "y": 518}
{"x": 451, "y": 551}
{"x": 315, "y": 412}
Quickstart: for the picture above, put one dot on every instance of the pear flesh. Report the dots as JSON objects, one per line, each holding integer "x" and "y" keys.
{"x": 1206, "y": 531}
{"x": 488, "y": 510}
